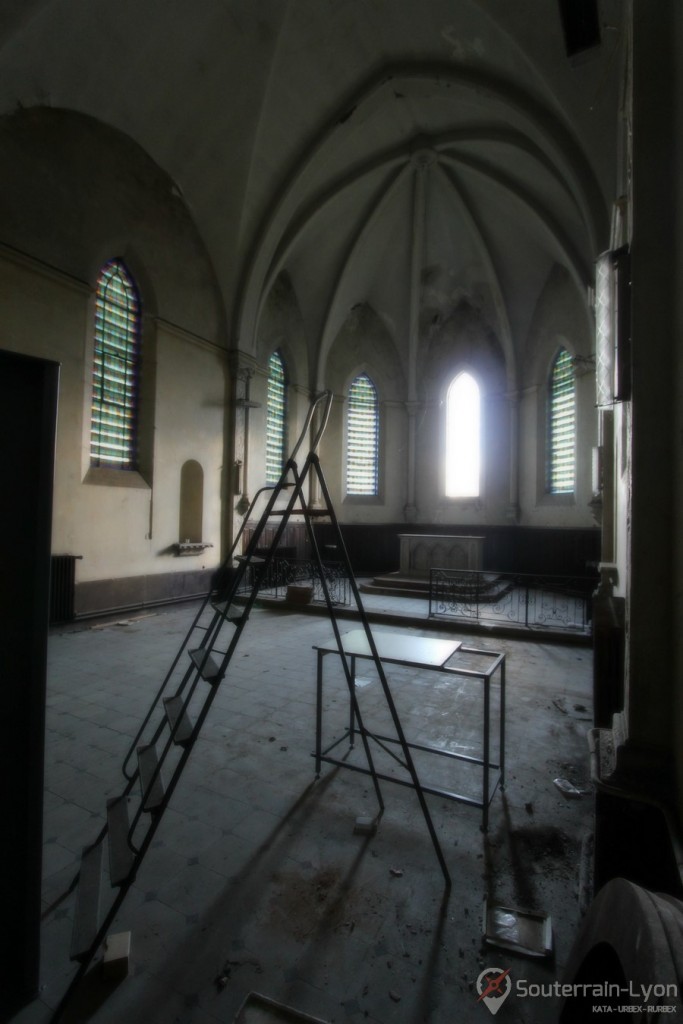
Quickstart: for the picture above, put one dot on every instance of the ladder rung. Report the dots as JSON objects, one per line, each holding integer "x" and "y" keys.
{"x": 87, "y": 912}
{"x": 313, "y": 513}
{"x": 208, "y": 669}
{"x": 152, "y": 795}
{"x": 178, "y": 719}
{"x": 120, "y": 853}
{"x": 231, "y": 612}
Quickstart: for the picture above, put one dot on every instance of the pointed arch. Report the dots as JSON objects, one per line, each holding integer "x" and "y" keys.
{"x": 362, "y": 438}
{"x": 116, "y": 367}
{"x": 276, "y": 417}
{"x": 561, "y": 430}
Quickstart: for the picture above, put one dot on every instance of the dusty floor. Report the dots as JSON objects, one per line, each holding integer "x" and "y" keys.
{"x": 256, "y": 881}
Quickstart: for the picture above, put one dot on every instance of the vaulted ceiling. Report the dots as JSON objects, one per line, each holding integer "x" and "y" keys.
{"x": 371, "y": 149}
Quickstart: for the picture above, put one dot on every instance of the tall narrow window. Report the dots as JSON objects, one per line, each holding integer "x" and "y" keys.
{"x": 276, "y": 410}
{"x": 114, "y": 419}
{"x": 463, "y": 437}
{"x": 561, "y": 426}
{"x": 362, "y": 438}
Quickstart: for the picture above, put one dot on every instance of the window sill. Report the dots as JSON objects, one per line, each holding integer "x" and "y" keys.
{"x": 363, "y": 499}
{"x": 104, "y": 477}
{"x": 474, "y": 503}
{"x": 559, "y": 500}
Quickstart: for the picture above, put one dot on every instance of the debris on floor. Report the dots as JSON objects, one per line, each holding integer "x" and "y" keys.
{"x": 222, "y": 979}
{"x": 568, "y": 790}
{"x": 260, "y": 1009}
{"x": 116, "y": 956}
{"x": 520, "y": 930}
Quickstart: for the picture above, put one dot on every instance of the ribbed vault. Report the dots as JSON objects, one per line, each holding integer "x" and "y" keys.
{"x": 428, "y": 167}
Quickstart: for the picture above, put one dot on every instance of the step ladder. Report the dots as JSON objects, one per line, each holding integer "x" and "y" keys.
{"x": 163, "y": 743}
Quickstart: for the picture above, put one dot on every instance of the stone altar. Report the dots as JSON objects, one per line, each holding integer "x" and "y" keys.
{"x": 421, "y": 552}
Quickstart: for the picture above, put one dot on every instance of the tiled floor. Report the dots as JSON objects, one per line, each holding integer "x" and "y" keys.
{"x": 256, "y": 881}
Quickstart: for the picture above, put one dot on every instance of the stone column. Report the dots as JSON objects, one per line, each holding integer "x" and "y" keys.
{"x": 512, "y": 511}
{"x": 410, "y": 507}
{"x": 422, "y": 159}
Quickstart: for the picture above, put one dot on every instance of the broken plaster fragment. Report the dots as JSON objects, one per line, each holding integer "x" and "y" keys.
{"x": 568, "y": 790}
{"x": 365, "y": 826}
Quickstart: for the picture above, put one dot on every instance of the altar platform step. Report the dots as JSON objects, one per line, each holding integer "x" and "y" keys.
{"x": 397, "y": 584}
{"x": 482, "y": 587}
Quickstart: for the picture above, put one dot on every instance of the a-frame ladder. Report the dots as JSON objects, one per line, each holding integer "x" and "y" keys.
{"x": 162, "y": 745}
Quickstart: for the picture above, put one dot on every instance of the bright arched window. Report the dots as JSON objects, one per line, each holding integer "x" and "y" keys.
{"x": 561, "y": 435}
{"x": 362, "y": 438}
{"x": 463, "y": 437}
{"x": 116, "y": 367}
{"x": 276, "y": 414}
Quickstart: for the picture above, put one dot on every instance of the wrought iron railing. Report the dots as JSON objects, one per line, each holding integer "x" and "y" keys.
{"x": 288, "y": 572}
{"x": 531, "y": 600}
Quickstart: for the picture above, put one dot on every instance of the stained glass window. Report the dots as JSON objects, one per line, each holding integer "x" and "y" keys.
{"x": 276, "y": 411}
{"x": 113, "y": 431}
{"x": 362, "y": 438}
{"x": 561, "y": 426}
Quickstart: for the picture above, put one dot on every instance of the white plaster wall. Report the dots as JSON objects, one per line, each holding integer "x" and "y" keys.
{"x": 119, "y": 530}
{"x": 74, "y": 193}
{"x": 365, "y": 344}
{"x": 297, "y": 408}
{"x": 561, "y": 319}
{"x": 388, "y": 505}
{"x": 459, "y": 338}
{"x": 537, "y": 507}
{"x": 192, "y": 387}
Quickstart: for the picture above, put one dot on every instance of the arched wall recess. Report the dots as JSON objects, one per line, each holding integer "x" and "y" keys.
{"x": 281, "y": 327}
{"x": 464, "y": 341}
{"x": 364, "y": 344}
{"x": 191, "y": 513}
{"x": 560, "y": 317}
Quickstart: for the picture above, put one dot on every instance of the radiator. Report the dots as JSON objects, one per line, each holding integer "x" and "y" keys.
{"x": 62, "y": 588}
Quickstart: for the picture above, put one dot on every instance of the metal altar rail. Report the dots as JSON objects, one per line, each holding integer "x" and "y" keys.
{"x": 534, "y": 601}
{"x": 286, "y": 572}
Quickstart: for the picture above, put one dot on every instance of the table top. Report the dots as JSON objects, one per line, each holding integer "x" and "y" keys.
{"x": 398, "y": 648}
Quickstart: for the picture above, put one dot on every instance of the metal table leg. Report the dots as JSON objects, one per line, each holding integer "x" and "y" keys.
{"x": 319, "y": 714}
